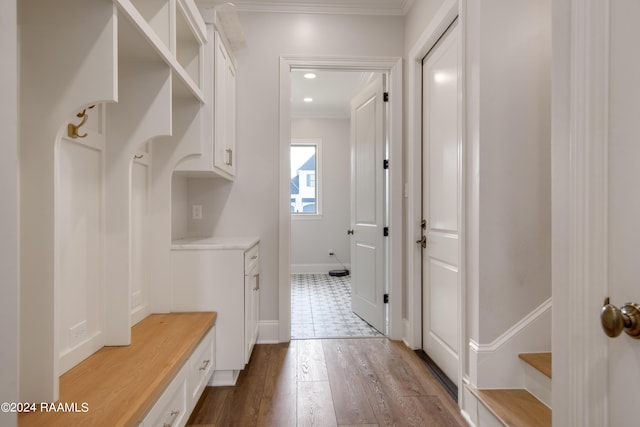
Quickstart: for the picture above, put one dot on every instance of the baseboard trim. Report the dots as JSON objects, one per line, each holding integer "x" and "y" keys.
{"x": 317, "y": 268}
{"x": 224, "y": 378}
{"x": 467, "y": 418}
{"x": 268, "y": 332}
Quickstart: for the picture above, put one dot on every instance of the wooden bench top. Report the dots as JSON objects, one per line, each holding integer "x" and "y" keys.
{"x": 121, "y": 384}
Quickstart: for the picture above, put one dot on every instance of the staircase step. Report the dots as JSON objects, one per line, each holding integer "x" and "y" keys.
{"x": 540, "y": 361}
{"x": 515, "y": 407}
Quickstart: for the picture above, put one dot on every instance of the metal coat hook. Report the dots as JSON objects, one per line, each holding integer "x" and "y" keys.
{"x": 72, "y": 130}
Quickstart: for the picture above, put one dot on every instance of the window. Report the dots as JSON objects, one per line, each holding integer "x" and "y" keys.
{"x": 305, "y": 176}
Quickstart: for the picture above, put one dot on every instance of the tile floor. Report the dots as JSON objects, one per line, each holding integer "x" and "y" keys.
{"x": 321, "y": 308}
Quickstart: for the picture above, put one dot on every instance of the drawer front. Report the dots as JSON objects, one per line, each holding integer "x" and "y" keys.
{"x": 171, "y": 408}
{"x": 251, "y": 258}
{"x": 201, "y": 365}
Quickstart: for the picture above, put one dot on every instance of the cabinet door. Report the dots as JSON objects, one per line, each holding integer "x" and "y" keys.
{"x": 251, "y": 321}
{"x": 224, "y": 111}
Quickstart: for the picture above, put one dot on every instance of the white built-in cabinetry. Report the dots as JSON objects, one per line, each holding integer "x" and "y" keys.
{"x": 114, "y": 95}
{"x": 179, "y": 398}
{"x": 218, "y": 142}
{"x": 225, "y": 108}
{"x": 221, "y": 275}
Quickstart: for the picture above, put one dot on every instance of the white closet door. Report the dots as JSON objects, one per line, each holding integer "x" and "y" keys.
{"x": 440, "y": 204}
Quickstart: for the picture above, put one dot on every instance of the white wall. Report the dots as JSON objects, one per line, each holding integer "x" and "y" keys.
{"x": 514, "y": 142}
{"x": 8, "y": 209}
{"x": 249, "y": 205}
{"x": 179, "y": 207}
{"x": 311, "y": 238}
{"x": 417, "y": 19}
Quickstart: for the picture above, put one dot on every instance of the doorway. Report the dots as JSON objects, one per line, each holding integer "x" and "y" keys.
{"x": 392, "y": 67}
{"x": 334, "y": 294}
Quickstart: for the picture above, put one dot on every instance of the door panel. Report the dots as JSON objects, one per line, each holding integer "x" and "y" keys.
{"x": 441, "y": 145}
{"x": 624, "y": 204}
{"x": 365, "y": 162}
{"x": 367, "y": 205}
{"x": 443, "y": 280}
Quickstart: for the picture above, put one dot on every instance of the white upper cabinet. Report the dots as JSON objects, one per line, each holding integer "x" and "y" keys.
{"x": 217, "y": 155}
{"x": 224, "y": 109}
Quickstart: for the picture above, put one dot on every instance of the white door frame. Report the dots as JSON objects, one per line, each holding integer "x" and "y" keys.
{"x": 392, "y": 66}
{"x": 579, "y": 210}
{"x": 413, "y": 327}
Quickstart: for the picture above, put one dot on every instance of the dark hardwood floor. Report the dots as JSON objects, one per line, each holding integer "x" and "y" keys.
{"x": 330, "y": 382}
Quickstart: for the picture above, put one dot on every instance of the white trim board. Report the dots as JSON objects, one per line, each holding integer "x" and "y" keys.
{"x": 317, "y": 268}
{"x": 580, "y": 137}
{"x": 268, "y": 332}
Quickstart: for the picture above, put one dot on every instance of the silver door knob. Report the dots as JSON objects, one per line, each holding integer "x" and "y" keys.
{"x": 614, "y": 320}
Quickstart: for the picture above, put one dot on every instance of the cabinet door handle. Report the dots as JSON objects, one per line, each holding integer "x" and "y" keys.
{"x": 257, "y": 276}
{"x": 173, "y": 415}
{"x": 204, "y": 365}
{"x": 229, "y": 152}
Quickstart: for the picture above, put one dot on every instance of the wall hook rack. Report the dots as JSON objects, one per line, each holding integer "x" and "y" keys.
{"x": 72, "y": 130}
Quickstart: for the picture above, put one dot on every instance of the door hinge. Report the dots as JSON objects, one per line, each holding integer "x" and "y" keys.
{"x": 385, "y": 97}
{"x": 385, "y": 164}
{"x": 385, "y": 299}
{"x": 385, "y": 231}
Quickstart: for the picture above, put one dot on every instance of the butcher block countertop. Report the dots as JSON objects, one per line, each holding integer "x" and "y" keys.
{"x": 117, "y": 386}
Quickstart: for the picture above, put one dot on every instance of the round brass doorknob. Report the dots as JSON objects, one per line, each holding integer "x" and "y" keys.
{"x": 615, "y": 320}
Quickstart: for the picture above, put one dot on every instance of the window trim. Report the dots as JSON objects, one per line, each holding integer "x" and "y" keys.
{"x": 317, "y": 142}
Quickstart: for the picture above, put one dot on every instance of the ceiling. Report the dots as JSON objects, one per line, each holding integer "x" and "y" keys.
{"x": 331, "y": 92}
{"x": 352, "y": 7}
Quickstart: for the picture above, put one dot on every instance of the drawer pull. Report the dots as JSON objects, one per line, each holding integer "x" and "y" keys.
{"x": 254, "y": 257}
{"x": 173, "y": 415}
{"x": 204, "y": 365}
{"x": 257, "y": 276}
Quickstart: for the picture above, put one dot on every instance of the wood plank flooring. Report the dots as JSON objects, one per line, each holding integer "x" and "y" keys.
{"x": 330, "y": 382}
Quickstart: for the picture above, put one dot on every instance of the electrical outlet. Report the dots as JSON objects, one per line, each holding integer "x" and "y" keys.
{"x": 196, "y": 212}
{"x": 331, "y": 253}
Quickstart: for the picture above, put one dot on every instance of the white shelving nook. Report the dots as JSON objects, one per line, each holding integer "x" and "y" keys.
{"x": 89, "y": 203}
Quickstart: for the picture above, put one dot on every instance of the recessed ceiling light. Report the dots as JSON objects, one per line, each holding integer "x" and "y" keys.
{"x": 309, "y": 76}
{"x": 308, "y": 99}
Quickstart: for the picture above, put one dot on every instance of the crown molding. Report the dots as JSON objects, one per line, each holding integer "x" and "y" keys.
{"x": 334, "y": 7}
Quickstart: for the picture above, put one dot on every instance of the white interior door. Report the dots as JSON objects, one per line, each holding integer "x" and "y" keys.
{"x": 367, "y": 205}
{"x": 623, "y": 205}
{"x": 441, "y": 145}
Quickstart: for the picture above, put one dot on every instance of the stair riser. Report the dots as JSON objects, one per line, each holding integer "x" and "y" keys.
{"x": 538, "y": 384}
